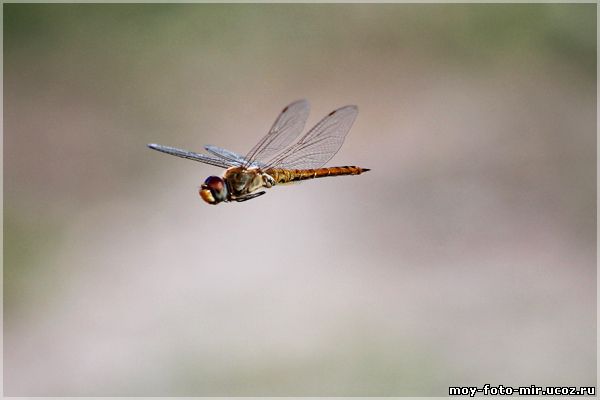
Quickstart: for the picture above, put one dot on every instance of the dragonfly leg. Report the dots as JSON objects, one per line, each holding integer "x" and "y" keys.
{"x": 248, "y": 196}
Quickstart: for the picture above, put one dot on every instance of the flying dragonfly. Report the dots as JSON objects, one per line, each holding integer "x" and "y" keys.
{"x": 277, "y": 158}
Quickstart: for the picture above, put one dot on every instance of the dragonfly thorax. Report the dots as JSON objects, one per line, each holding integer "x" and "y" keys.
{"x": 243, "y": 181}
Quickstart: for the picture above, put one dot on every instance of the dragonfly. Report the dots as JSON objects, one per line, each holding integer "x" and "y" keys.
{"x": 281, "y": 156}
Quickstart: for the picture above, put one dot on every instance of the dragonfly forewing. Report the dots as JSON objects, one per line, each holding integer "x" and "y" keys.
{"x": 319, "y": 144}
{"x": 190, "y": 155}
{"x": 286, "y": 128}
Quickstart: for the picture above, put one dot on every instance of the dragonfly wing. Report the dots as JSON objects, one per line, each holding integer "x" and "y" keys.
{"x": 226, "y": 155}
{"x": 286, "y": 128}
{"x": 319, "y": 144}
{"x": 190, "y": 155}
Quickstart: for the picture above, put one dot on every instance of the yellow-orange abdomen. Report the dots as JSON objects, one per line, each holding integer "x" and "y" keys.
{"x": 292, "y": 175}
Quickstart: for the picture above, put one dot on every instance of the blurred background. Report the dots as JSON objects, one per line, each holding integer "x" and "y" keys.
{"x": 466, "y": 256}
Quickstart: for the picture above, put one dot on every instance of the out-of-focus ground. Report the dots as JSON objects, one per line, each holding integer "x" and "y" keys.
{"x": 466, "y": 256}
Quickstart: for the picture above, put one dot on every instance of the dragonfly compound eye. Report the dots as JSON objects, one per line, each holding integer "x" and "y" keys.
{"x": 214, "y": 190}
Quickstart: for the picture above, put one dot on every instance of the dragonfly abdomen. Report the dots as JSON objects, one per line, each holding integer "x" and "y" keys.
{"x": 293, "y": 175}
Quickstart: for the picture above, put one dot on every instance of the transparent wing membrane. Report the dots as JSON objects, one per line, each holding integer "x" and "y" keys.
{"x": 190, "y": 155}
{"x": 286, "y": 128}
{"x": 319, "y": 144}
{"x": 313, "y": 149}
{"x": 225, "y": 154}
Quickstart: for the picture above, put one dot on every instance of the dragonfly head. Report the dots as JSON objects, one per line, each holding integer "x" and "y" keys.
{"x": 213, "y": 190}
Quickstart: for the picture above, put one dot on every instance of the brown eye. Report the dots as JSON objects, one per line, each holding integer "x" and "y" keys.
{"x": 215, "y": 183}
{"x": 214, "y": 190}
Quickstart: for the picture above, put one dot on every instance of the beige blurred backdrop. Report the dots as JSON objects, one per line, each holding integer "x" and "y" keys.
{"x": 466, "y": 256}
